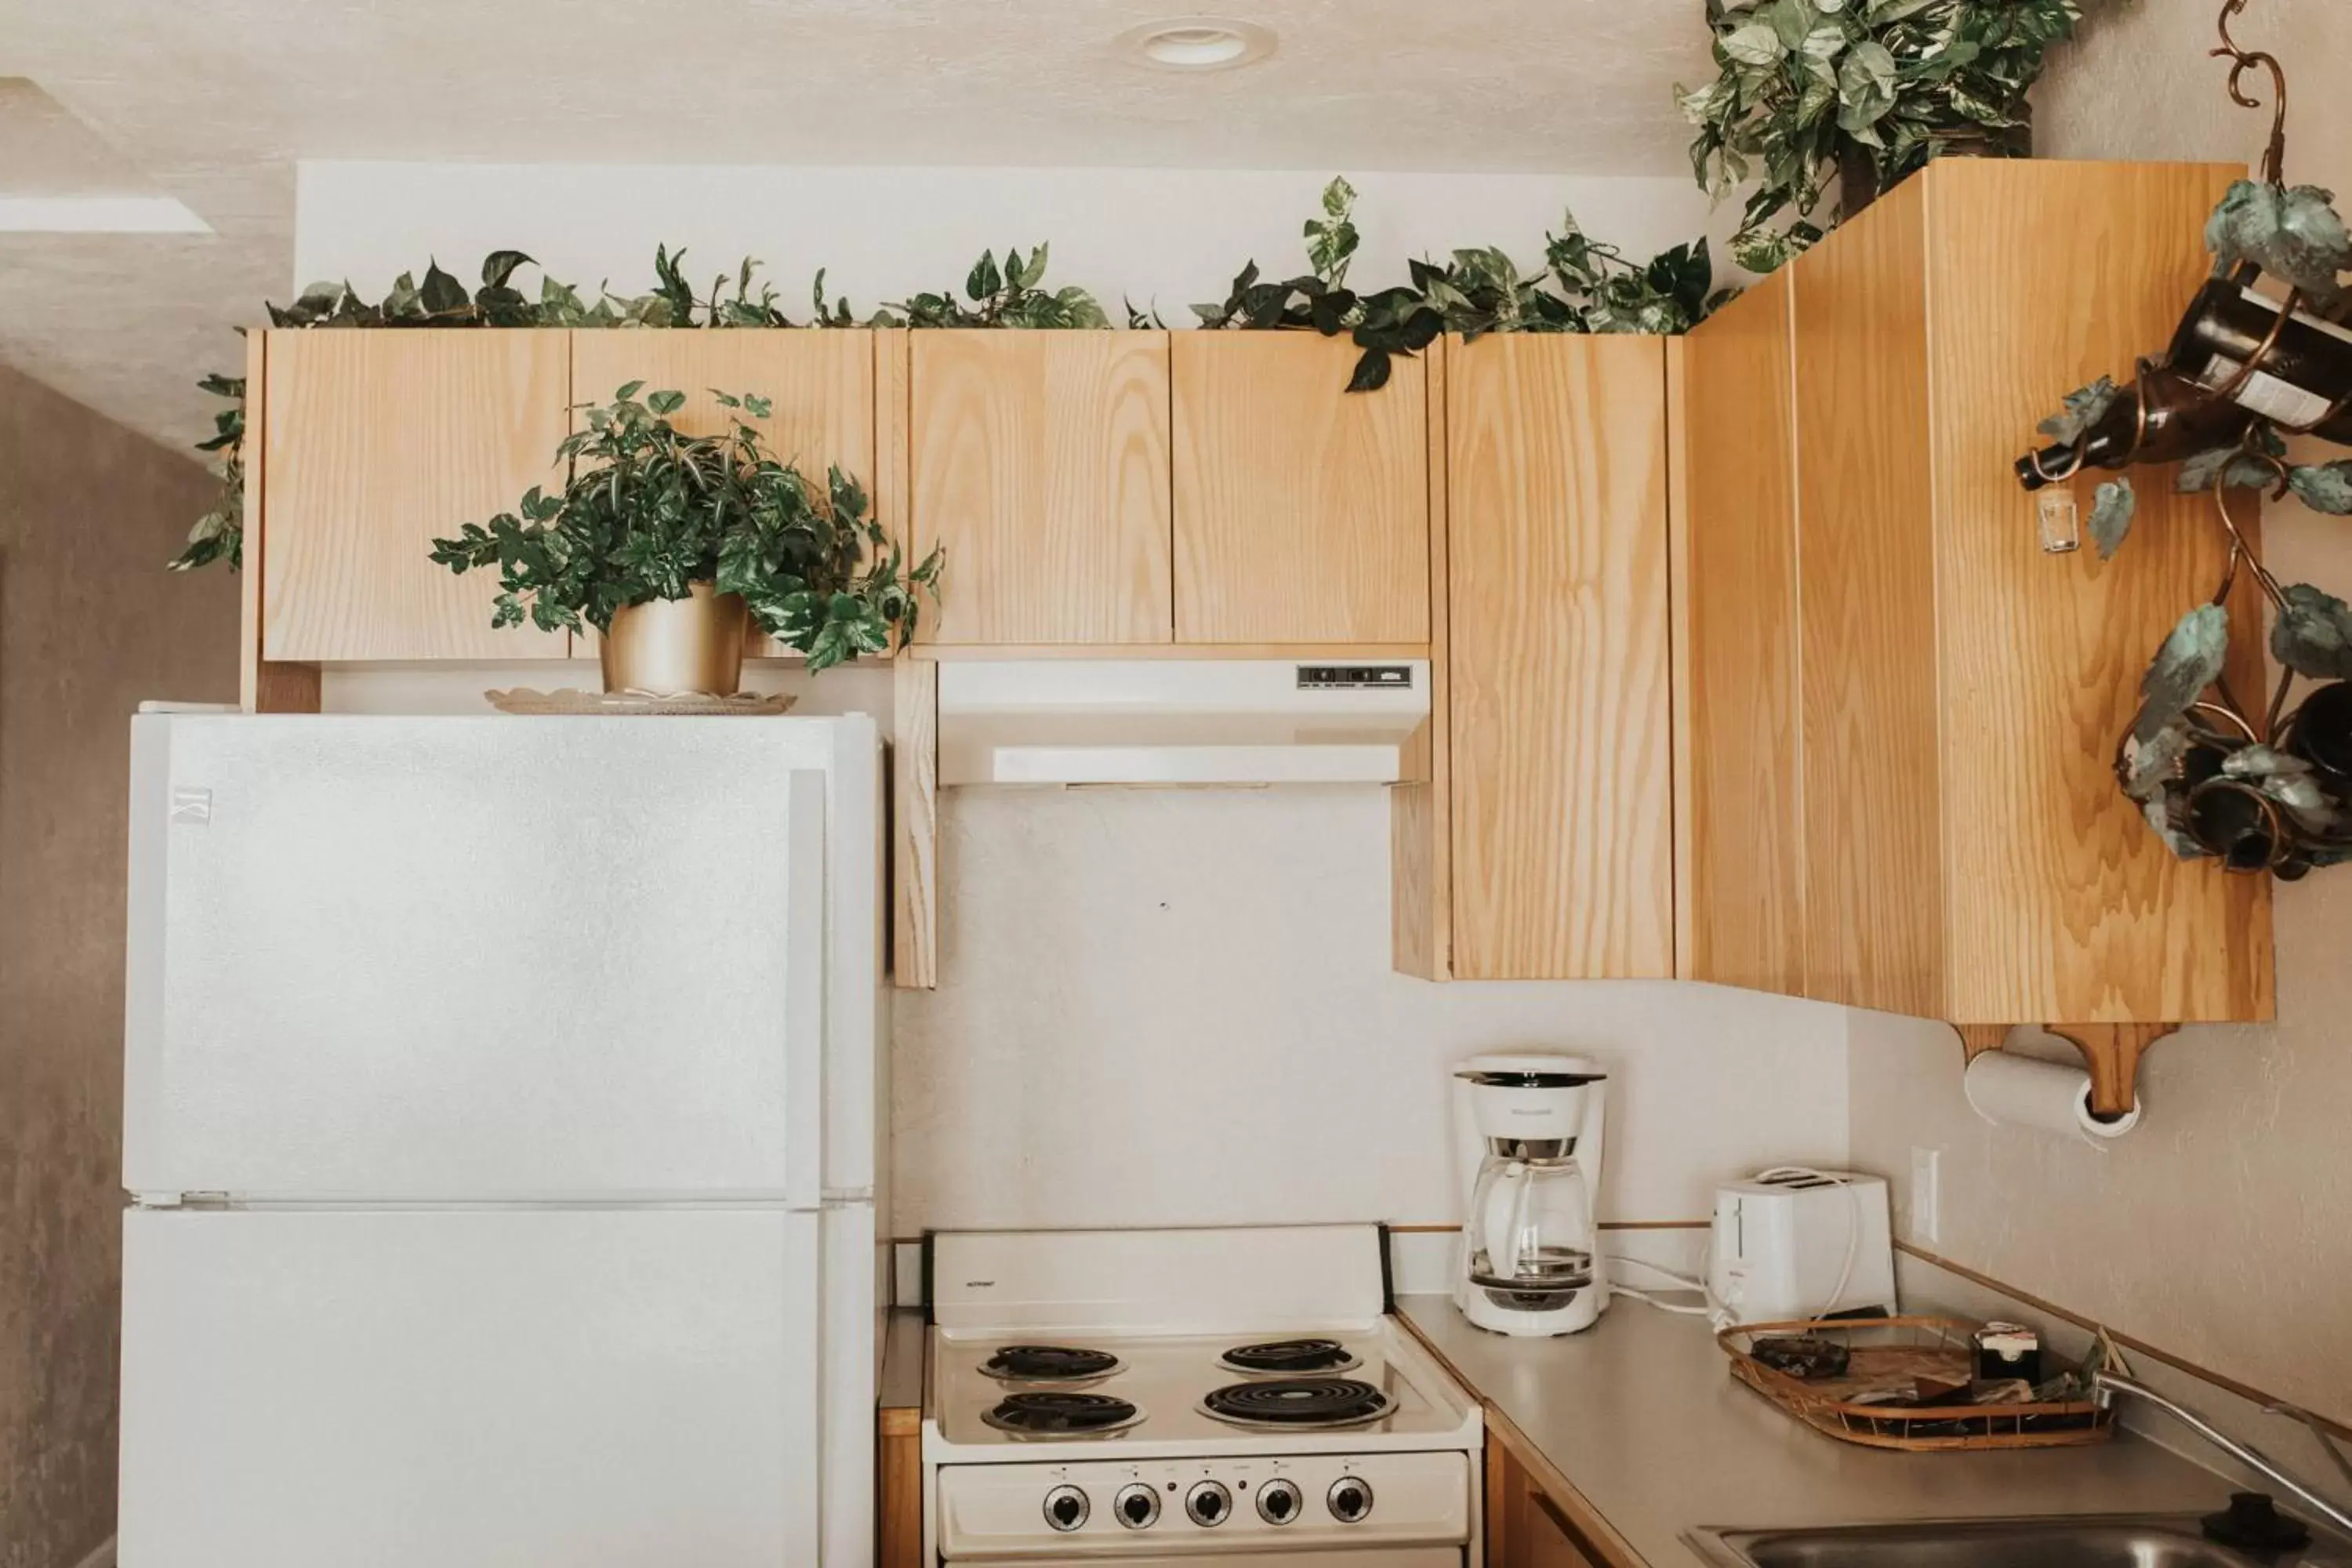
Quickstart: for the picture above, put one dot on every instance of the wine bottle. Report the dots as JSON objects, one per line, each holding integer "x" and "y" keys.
{"x": 2162, "y": 418}
{"x": 2303, "y": 381}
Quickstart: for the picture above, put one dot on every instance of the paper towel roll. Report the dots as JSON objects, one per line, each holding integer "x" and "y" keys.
{"x": 2010, "y": 1090}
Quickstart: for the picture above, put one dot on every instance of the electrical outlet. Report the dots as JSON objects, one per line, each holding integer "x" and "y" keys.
{"x": 1926, "y": 1195}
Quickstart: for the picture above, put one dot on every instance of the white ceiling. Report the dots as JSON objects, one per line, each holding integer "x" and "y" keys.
{"x": 213, "y": 101}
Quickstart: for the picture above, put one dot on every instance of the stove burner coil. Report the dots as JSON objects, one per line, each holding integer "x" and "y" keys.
{"x": 1048, "y": 1363}
{"x": 1298, "y": 1403}
{"x": 1059, "y": 1412}
{"x": 1290, "y": 1358}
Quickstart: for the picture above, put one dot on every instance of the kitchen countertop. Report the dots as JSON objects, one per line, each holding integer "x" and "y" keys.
{"x": 1641, "y": 1416}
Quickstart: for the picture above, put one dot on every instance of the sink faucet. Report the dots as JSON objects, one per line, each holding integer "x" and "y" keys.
{"x": 2106, "y": 1386}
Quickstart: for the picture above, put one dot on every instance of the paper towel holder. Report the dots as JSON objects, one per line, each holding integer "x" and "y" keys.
{"x": 2110, "y": 1051}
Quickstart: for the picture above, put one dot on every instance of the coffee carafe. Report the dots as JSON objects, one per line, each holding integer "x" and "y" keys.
{"x": 1530, "y": 1128}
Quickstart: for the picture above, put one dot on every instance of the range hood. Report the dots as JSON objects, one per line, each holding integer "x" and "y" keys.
{"x": 1177, "y": 721}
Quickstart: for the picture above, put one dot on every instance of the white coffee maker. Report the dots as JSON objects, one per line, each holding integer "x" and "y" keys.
{"x": 1528, "y": 1129}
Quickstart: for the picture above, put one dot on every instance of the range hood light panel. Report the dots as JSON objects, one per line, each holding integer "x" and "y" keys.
{"x": 1178, "y": 722}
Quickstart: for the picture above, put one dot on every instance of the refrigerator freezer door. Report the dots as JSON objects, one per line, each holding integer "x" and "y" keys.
{"x": 470, "y": 1388}
{"x": 483, "y": 959}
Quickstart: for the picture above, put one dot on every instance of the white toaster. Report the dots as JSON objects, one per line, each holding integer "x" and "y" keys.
{"x": 1793, "y": 1243}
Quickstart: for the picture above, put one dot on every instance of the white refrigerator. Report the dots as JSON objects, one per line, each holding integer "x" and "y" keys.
{"x": 504, "y": 1111}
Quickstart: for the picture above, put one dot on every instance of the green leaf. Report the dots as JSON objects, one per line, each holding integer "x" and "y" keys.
{"x": 2324, "y": 487}
{"x": 983, "y": 279}
{"x": 443, "y": 294}
{"x": 1866, "y": 85}
{"x": 2112, "y": 510}
{"x": 2085, "y": 406}
{"x": 2295, "y": 234}
{"x": 2233, "y": 466}
{"x": 1756, "y": 45}
{"x": 500, "y": 266}
{"x": 666, "y": 403}
{"x": 2190, "y": 661}
{"x": 2313, "y": 633}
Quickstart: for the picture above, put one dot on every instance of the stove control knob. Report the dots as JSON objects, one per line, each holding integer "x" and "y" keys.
{"x": 1350, "y": 1499}
{"x": 1065, "y": 1507}
{"x": 1137, "y": 1506}
{"x": 1207, "y": 1503}
{"x": 1278, "y": 1501}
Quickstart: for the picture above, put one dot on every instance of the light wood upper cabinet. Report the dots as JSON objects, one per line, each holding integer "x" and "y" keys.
{"x": 1873, "y": 800}
{"x": 1040, "y": 461}
{"x": 1562, "y": 756}
{"x": 372, "y": 445}
{"x": 1739, "y": 900}
{"x": 1961, "y": 851}
{"x": 1302, "y": 510}
{"x": 819, "y": 384}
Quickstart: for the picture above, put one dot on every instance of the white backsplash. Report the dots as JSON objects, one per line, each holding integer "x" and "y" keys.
{"x": 1175, "y": 1007}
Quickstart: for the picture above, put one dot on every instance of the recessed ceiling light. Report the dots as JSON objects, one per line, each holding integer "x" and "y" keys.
{"x": 1197, "y": 43}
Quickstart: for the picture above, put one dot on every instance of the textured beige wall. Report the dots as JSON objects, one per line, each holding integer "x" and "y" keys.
{"x": 90, "y": 624}
{"x": 2221, "y": 1229}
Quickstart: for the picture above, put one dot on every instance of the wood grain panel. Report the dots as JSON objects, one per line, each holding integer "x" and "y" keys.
{"x": 820, "y": 384}
{"x": 898, "y": 1493}
{"x": 1558, "y": 657}
{"x": 1420, "y": 817}
{"x": 890, "y": 486}
{"x": 1040, "y": 459}
{"x": 1535, "y": 1517}
{"x": 263, "y": 685}
{"x": 2064, "y": 906}
{"x": 1873, "y": 858}
{"x": 373, "y": 445}
{"x": 1302, "y": 510}
{"x": 1741, "y": 871}
{"x": 914, "y": 824}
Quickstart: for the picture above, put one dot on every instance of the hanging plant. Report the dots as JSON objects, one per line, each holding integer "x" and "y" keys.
{"x": 1399, "y": 320}
{"x": 1806, "y": 89}
{"x": 2267, "y": 788}
{"x": 1584, "y": 286}
{"x": 646, "y": 511}
{"x": 1007, "y": 296}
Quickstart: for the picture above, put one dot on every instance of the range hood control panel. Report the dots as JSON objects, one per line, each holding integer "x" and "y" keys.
{"x": 1355, "y": 677}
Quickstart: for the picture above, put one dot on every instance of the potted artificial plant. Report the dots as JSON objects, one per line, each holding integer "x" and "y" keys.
{"x": 1866, "y": 90}
{"x": 669, "y": 545}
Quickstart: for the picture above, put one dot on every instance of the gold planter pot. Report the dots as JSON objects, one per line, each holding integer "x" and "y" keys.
{"x": 678, "y": 648}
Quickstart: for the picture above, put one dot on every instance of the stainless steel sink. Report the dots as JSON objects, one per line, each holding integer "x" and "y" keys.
{"x": 2116, "y": 1541}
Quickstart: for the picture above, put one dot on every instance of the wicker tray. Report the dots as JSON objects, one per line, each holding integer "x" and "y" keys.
{"x": 1890, "y": 1352}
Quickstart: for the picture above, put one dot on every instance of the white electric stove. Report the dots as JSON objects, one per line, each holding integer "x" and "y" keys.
{"x": 1194, "y": 1396}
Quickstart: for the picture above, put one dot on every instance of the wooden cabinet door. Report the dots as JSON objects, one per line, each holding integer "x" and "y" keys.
{"x": 1526, "y": 1526}
{"x": 1040, "y": 461}
{"x": 1562, "y": 756}
{"x": 375, "y": 443}
{"x": 1302, "y": 510}
{"x": 1740, "y": 891}
{"x": 1866, "y": 551}
{"x": 820, "y": 386}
